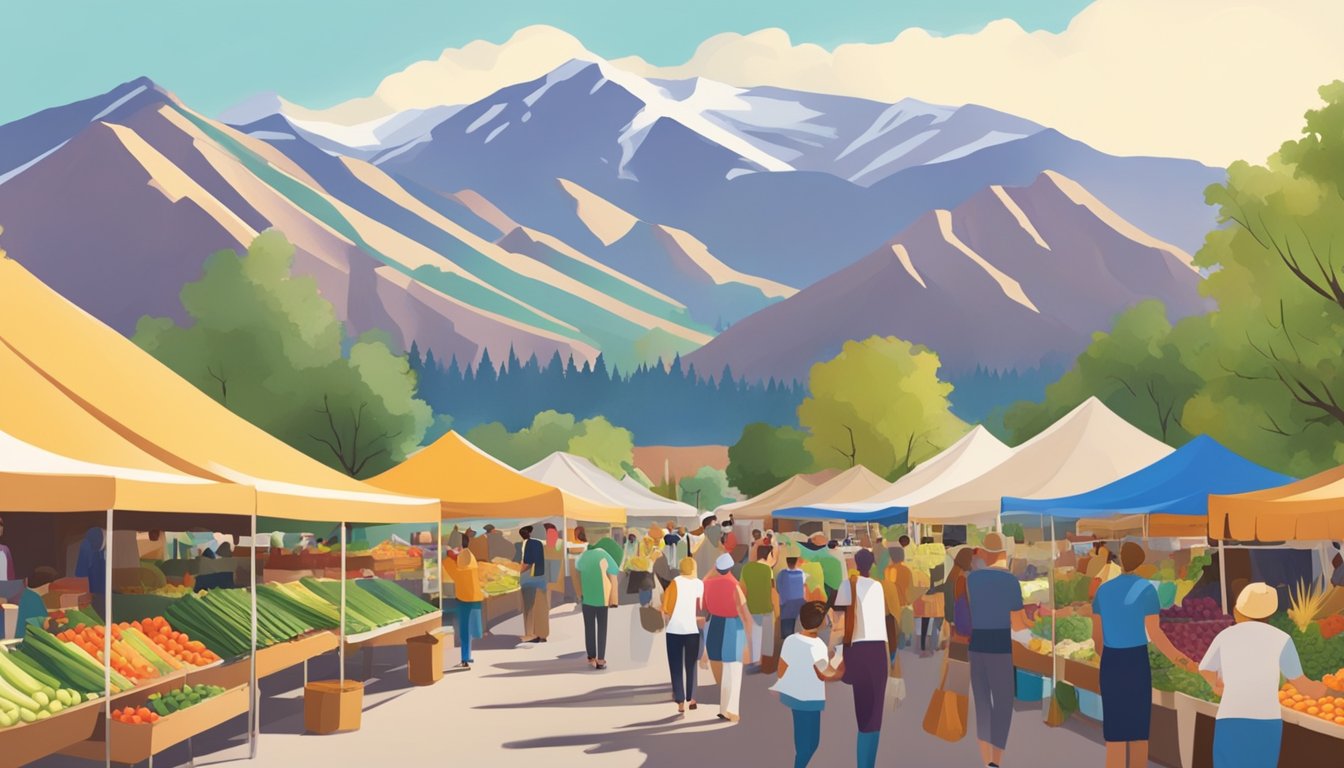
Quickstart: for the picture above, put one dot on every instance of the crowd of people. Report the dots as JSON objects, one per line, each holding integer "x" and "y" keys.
{"x": 815, "y": 611}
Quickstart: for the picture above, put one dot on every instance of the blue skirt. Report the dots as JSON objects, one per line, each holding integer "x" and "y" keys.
{"x": 725, "y": 638}
{"x": 1126, "y": 694}
{"x": 1240, "y": 742}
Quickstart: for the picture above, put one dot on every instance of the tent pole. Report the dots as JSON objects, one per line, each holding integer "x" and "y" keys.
{"x": 438, "y": 548}
{"x": 1222, "y": 574}
{"x": 107, "y": 636}
{"x": 342, "y": 637}
{"x": 254, "y": 709}
{"x": 1054, "y": 655}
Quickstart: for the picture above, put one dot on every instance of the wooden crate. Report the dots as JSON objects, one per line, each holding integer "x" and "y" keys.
{"x": 135, "y": 743}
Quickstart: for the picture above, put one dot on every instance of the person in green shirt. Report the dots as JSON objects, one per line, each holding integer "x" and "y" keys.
{"x": 609, "y": 545}
{"x": 597, "y": 571}
{"x": 758, "y": 580}
{"x": 820, "y": 551}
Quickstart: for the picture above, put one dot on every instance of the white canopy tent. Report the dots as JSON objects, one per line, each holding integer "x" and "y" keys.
{"x": 1087, "y": 448}
{"x": 582, "y": 478}
{"x": 973, "y": 455}
{"x": 853, "y": 484}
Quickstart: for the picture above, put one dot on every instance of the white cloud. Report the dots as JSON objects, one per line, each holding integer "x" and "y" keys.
{"x": 1215, "y": 80}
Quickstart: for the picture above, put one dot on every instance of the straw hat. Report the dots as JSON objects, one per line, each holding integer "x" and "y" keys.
{"x": 993, "y": 542}
{"x": 1257, "y": 601}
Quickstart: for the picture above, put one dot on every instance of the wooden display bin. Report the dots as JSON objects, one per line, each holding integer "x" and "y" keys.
{"x": 135, "y": 743}
{"x": 497, "y": 608}
{"x": 331, "y": 706}
{"x": 23, "y": 744}
{"x": 1084, "y": 676}
{"x": 1036, "y": 663}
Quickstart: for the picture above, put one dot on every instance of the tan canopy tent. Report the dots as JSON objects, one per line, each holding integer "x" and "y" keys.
{"x": 1311, "y": 509}
{"x": 764, "y": 504}
{"x": 473, "y": 485}
{"x": 580, "y": 477}
{"x": 1087, "y": 448}
{"x": 164, "y": 416}
{"x": 854, "y": 484}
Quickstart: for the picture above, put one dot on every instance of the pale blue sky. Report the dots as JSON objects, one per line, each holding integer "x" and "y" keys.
{"x": 214, "y": 54}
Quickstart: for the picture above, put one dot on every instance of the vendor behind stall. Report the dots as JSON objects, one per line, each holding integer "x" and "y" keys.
{"x": 91, "y": 563}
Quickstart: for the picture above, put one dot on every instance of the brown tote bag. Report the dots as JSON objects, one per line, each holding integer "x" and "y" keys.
{"x": 948, "y": 709}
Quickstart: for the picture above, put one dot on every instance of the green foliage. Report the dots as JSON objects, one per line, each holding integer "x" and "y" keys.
{"x": 266, "y": 345}
{"x": 1137, "y": 369}
{"x": 766, "y": 456}
{"x": 878, "y": 403}
{"x": 609, "y": 447}
{"x": 1261, "y": 373}
{"x": 706, "y": 489}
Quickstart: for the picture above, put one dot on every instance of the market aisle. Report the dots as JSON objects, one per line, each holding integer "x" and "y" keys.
{"x": 542, "y": 705}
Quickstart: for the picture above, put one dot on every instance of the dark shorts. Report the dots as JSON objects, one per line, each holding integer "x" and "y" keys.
{"x": 1126, "y": 694}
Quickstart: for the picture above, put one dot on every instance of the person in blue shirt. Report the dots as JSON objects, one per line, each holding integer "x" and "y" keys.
{"x": 1125, "y": 616}
{"x": 996, "y": 615}
{"x": 91, "y": 564}
{"x": 792, "y": 596}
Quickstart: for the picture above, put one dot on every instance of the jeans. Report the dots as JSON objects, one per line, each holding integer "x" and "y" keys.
{"x": 645, "y": 596}
{"x": 866, "y": 751}
{"x": 924, "y": 623}
{"x": 595, "y": 630}
{"x": 787, "y": 627}
{"x": 468, "y": 627}
{"x": 1240, "y": 742}
{"x": 682, "y": 653}
{"x": 992, "y": 685}
{"x": 806, "y": 736}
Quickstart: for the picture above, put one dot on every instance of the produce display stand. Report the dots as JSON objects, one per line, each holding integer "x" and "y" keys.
{"x": 132, "y": 744}
{"x": 393, "y": 634}
{"x": 22, "y": 744}
{"x": 502, "y": 606}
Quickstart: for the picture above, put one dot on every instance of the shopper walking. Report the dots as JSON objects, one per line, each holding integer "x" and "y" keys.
{"x": 682, "y": 602}
{"x": 555, "y": 564}
{"x": 900, "y": 584}
{"x": 866, "y": 652}
{"x": 726, "y": 642}
{"x": 532, "y": 580}
{"x": 470, "y": 598}
{"x": 758, "y": 582}
{"x": 804, "y": 670}
{"x": 1243, "y": 664}
{"x": 996, "y": 612}
{"x": 791, "y": 593}
{"x": 639, "y": 570}
{"x": 1125, "y": 619}
{"x": 957, "y": 604}
{"x": 597, "y": 571}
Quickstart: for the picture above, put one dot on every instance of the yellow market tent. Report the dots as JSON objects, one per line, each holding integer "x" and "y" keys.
{"x": 46, "y": 435}
{"x": 1311, "y": 509}
{"x": 36, "y": 480}
{"x": 150, "y": 407}
{"x": 472, "y": 485}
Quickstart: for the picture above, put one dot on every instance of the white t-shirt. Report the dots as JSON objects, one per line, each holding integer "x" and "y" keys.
{"x": 690, "y": 594}
{"x": 872, "y": 609}
{"x": 1249, "y": 657}
{"x": 803, "y": 654}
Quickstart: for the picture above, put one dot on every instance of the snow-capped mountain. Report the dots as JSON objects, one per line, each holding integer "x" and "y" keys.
{"x": 593, "y": 210}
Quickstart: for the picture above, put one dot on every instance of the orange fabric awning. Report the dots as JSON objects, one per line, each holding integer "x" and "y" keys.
{"x": 472, "y": 485}
{"x": 1311, "y": 509}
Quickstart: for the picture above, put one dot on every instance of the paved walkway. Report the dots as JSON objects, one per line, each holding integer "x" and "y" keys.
{"x": 542, "y": 705}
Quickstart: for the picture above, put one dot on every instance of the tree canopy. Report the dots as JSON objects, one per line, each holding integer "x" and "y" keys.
{"x": 706, "y": 489}
{"x": 878, "y": 403}
{"x": 267, "y": 346}
{"x": 610, "y": 447}
{"x": 766, "y": 456}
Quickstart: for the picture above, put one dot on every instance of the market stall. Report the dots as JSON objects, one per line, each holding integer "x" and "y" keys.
{"x": 165, "y": 417}
{"x": 857, "y": 482}
{"x": 475, "y": 488}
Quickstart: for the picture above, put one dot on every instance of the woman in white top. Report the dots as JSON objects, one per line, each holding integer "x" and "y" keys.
{"x": 682, "y": 601}
{"x": 804, "y": 669}
{"x": 1243, "y": 664}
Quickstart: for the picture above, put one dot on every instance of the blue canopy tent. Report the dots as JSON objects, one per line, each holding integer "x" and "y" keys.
{"x": 887, "y": 516}
{"x": 1177, "y": 485}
